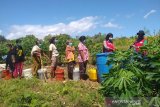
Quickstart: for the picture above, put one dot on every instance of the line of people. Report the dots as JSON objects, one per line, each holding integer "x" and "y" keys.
{"x": 15, "y": 57}
{"x": 70, "y": 57}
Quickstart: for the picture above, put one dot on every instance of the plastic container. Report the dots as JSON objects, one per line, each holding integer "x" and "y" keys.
{"x": 2, "y": 68}
{"x": 27, "y": 73}
{"x": 92, "y": 73}
{"x": 6, "y": 74}
{"x": 59, "y": 74}
{"x": 76, "y": 76}
{"x": 101, "y": 60}
{"x": 41, "y": 73}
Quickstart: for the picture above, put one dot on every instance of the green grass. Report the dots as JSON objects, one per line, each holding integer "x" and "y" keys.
{"x": 36, "y": 93}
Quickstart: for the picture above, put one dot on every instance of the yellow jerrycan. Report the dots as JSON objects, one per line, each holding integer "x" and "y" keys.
{"x": 92, "y": 73}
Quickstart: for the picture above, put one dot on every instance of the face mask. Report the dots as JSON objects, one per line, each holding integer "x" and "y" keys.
{"x": 56, "y": 41}
{"x": 84, "y": 41}
{"x": 110, "y": 38}
{"x": 70, "y": 44}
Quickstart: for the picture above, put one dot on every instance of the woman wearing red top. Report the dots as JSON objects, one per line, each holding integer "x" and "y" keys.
{"x": 139, "y": 42}
{"x": 108, "y": 45}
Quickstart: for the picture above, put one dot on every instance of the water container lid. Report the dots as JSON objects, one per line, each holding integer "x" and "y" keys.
{"x": 76, "y": 69}
{"x": 41, "y": 71}
{"x": 27, "y": 70}
{"x": 104, "y": 54}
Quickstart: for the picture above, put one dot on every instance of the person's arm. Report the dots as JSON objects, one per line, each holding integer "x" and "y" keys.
{"x": 66, "y": 51}
{"x": 73, "y": 49}
{"x": 50, "y": 51}
{"x": 82, "y": 55}
{"x": 6, "y": 64}
{"x": 132, "y": 46}
{"x": 50, "y": 54}
{"x": 104, "y": 44}
{"x": 13, "y": 58}
{"x": 80, "y": 49}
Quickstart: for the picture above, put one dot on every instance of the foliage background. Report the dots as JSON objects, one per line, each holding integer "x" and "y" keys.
{"x": 94, "y": 44}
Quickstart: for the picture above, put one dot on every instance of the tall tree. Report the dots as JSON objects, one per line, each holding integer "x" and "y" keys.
{"x": 2, "y": 38}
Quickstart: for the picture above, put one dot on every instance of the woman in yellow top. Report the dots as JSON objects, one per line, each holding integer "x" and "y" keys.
{"x": 70, "y": 58}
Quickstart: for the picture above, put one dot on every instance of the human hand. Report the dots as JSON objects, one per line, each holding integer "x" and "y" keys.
{"x": 50, "y": 61}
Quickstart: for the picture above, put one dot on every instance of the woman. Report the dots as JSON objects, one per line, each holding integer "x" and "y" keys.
{"x": 20, "y": 58}
{"x": 53, "y": 55}
{"x": 83, "y": 57}
{"x": 108, "y": 45}
{"x": 36, "y": 55}
{"x": 70, "y": 58}
{"x": 140, "y": 41}
{"x": 10, "y": 60}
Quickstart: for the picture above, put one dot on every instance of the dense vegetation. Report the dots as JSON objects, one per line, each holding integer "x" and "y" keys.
{"x": 135, "y": 75}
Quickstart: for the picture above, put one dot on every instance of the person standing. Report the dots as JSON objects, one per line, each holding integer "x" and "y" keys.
{"x": 53, "y": 55}
{"x": 20, "y": 58}
{"x": 10, "y": 60}
{"x": 140, "y": 41}
{"x": 83, "y": 57}
{"x": 108, "y": 45}
{"x": 36, "y": 56}
{"x": 70, "y": 58}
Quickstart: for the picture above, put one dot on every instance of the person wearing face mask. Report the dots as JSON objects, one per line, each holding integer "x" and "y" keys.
{"x": 36, "y": 55}
{"x": 108, "y": 45}
{"x": 83, "y": 57}
{"x": 140, "y": 41}
{"x": 53, "y": 56}
{"x": 70, "y": 58}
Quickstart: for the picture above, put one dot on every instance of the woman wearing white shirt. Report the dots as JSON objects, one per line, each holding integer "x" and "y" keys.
{"x": 36, "y": 55}
{"x": 53, "y": 55}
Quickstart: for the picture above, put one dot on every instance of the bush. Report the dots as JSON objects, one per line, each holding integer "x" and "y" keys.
{"x": 134, "y": 75}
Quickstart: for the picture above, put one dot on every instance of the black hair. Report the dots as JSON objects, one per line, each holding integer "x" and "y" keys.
{"x": 109, "y": 35}
{"x": 37, "y": 42}
{"x": 67, "y": 43}
{"x": 10, "y": 45}
{"x": 140, "y": 35}
{"x": 52, "y": 40}
{"x": 82, "y": 38}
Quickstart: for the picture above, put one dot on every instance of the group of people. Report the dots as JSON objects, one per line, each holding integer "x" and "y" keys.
{"x": 70, "y": 57}
{"x": 15, "y": 57}
{"x": 140, "y": 41}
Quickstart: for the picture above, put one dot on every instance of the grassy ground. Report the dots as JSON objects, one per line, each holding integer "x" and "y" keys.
{"x": 37, "y": 93}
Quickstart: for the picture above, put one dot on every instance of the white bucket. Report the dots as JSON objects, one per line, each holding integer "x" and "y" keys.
{"x": 41, "y": 73}
{"x": 27, "y": 73}
{"x": 76, "y": 76}
{"x": 2, "y": 67}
